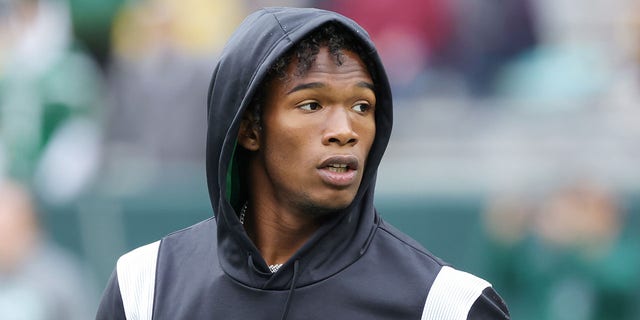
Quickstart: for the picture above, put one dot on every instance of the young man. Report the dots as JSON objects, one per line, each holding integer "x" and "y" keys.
{"x": 299, "y": 116}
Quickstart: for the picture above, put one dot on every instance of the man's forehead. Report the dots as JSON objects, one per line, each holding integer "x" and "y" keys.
{"x": 326, "y": 68}
{"x": 300, "y": 66}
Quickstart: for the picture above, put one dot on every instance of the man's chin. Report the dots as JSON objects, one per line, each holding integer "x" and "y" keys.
{"x": 325, "y": 208}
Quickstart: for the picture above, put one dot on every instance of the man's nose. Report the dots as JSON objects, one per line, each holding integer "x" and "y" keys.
{"x": 339, "y": 128}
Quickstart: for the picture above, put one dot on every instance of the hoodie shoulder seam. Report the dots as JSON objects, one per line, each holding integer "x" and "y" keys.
{"x": 420, "y": 250}
{"x": 187, "y": 228}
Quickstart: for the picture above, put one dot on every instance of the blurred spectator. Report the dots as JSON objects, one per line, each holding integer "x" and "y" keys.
{"x": 625, "y": 85}
{"x": 583, "y": 53}
{"x": 49, "y": 100}
{"x": 571, "y": 257}
{"x": 409, "y": 35}
{"x": 571, "y": 75}
{"x": 38, "y": 280}
{"x": 488, "y": 35}
{"x": 92, "y": 22}
{"x": 163, "y": 54}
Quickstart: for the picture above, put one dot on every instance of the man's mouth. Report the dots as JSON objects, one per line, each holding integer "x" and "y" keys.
{"x": 340, "y": 163}
{"x": 338, "y": 168}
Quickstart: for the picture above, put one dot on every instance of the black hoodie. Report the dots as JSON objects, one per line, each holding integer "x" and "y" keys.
{"x": 356, "y": 266}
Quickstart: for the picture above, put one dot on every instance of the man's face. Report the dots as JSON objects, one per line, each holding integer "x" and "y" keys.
{"x": 317, "y": 130}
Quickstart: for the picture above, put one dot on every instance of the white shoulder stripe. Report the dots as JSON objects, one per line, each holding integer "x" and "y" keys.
{"x": 452, "y": 295}
{"x": 136, "y": 278}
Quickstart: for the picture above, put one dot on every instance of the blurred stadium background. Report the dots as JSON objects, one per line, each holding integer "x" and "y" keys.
{"x": 515, "y": 153}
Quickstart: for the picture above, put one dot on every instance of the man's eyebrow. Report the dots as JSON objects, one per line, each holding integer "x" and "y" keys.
{"x": 311, "y": 85}
{"x": 368, "y": 85}
{"x": 314, "y": 85}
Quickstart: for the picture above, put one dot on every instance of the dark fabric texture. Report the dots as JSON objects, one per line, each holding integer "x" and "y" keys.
{"x": 111, "y": 307}
{"x": 489, "y": 306}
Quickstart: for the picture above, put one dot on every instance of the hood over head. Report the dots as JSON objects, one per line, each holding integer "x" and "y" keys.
{"x": 259, "y": 41}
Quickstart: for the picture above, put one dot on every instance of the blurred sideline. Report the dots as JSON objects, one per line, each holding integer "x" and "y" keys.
{"x": 514, "y": 152}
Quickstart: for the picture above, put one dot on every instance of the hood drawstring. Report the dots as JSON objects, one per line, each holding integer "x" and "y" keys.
{"x": 291, "y": 290}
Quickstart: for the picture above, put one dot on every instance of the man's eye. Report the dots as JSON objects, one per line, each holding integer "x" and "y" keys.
{"x": 311, "y": 106}
{"x": 361, "y": 107}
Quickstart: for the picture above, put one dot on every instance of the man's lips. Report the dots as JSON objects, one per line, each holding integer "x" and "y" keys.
{"x": 348, "y": 161}
{"x": 339, "y": 171}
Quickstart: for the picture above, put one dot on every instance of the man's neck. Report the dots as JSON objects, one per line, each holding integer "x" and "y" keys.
{"x": 277, "y": 233}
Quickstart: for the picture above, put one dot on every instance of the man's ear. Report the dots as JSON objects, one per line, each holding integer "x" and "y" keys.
{"x": 249, "y": 134}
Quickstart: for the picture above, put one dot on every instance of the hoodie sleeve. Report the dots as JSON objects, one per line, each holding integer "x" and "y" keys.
{"x": 458, "y": 295}
{"x": 111, "y": 307}
{"x": 488, "y": 306}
